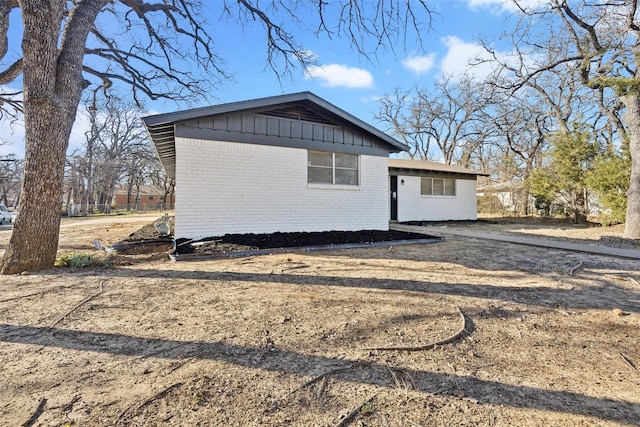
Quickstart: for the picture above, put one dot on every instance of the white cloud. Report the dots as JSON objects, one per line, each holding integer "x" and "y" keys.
{"x": 502, "y": 4}
{"x": 459, "y": 55}
{"x": 499, "y": 6}
{"x": 373, "y": 99}
{"x": 337, "y": 75}
{"x": 309, "y": 55}
{"x": 420, "y": 64}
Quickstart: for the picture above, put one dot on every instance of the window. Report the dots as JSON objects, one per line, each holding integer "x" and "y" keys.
{"x": 150, "y": 197}
{"x": 332, "y": 168}
{"x": 437, "y": 187}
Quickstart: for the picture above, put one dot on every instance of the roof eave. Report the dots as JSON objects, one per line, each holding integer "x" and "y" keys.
{"x": 165, "y": 123}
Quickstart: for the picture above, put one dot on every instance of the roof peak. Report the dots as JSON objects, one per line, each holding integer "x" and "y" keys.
{"x": 161, "y": 127}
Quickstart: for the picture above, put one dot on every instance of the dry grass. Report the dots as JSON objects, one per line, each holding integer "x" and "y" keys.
{"x": 283, "y": 339}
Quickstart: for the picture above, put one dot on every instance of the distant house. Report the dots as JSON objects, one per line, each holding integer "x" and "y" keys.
{"x": 431, "y": 191}
{"x": 506, "y": 198}
{"x": 285, "y": 163}
{"x": 141, "y": 198}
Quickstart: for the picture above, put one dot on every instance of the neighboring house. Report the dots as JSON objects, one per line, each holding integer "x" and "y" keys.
{"x": 140, "y": 198}
{"x": 506, "y": 198}
{"x": 431, "y": 191}
{"x": 513, "y": 199}
{"x": 286, "y": 163}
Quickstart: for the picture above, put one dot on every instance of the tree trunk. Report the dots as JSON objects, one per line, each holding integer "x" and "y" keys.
{"x": 128, "y": 196}
{"x": 632, "y": 119}
{"x": 53, "y": 84}
{"x": 69, "y": 201}
{"x": 137, "y": 196}
{"x": 34, "y": 240}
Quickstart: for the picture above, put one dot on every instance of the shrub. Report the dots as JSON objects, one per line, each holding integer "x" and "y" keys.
{"x": 80, "y": 260}
{"x": 610, "y": 179}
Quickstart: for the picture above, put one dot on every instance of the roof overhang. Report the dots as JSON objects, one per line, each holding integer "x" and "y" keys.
{"x": 162, "y": 127}
{"x": 429, "y": 166}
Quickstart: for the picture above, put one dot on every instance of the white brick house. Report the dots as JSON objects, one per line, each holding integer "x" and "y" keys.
{"x": 284, "y": 163}
{"x": 431, "y": 191}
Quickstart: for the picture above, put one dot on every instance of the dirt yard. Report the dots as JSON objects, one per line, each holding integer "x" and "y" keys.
{"x": 527, "y": 336}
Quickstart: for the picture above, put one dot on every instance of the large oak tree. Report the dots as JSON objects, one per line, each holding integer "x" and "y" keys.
{"x": 159, "y": 48}
{"x": 598, "y": 45}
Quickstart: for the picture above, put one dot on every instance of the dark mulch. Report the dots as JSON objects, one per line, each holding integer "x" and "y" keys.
{"x": 252, "y": 242}
{"x": 147, "y": 237}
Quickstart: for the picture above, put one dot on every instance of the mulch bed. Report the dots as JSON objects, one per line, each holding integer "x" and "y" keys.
{"x": 144, "y": 239}
{"x": 252, "y": 242}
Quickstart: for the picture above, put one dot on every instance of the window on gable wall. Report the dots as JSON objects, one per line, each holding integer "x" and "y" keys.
{"x": 332, "y": 168}
{"x": 437, "y": 187}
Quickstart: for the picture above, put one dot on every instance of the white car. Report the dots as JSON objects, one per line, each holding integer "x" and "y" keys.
{"x": 6, "y": 216}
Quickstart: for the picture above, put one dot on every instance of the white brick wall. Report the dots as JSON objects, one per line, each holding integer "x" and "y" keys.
{"x": 412, "y": 206}
{"x": 226, "y": 187}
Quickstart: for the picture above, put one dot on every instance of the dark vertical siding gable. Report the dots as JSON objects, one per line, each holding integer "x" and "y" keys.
{"x": 273, "y": 127}
{"x": 234, "y": 123}
{"x": 307, "y": 131}
{"x": 281, "y": 127}
{"x": 247, "y": 123}
{"x": 296, "y": 130}
{"x": 284, "y": 129}
{"x": 318, "y": 132}
{"x": 328, "y": 133}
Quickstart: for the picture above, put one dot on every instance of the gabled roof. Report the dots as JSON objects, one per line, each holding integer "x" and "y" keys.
{"x": 301, "y": 106}
{"x": 425, "y": 165}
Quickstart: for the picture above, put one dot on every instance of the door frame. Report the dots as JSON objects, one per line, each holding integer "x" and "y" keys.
{"x": 393, "y": 198}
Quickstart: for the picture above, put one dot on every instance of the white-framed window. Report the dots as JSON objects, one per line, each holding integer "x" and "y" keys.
{"x": 332, "y": 168}
{"x": 437, "y": 186}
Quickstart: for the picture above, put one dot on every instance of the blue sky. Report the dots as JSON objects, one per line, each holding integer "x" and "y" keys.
{"x": 342, "y": 77}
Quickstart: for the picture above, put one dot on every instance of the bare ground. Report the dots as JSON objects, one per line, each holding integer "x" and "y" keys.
{"x": 539, "y": 337}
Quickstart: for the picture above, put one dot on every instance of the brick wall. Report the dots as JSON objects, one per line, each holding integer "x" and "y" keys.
{"x": 225, "y": 187}
{"x": 159, "y": 199}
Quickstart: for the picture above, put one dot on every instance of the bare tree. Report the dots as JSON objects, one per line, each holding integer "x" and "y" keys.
{"x": 161, "y": 50}
{"x": 398, "y": 114}
{"x": 10, "y": 180}
{"x": 445, "y": 118}
{"x": 116, "y": 148}
{"x": 80, "y": 179}
{"x": 139, "y": 168}
{"x": 522, "y": 124}
{"x": 596, "y": 45}
{"x": 160, "y": 179}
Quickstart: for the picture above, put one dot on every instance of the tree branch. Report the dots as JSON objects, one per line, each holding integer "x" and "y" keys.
{"x": 153, "y": 62}
{"x": 74, "y": 39}
{"x": 587, "y": 27}
{"x": 279, "y": 41}
{"x": 5, "y": 8}
{"x": 11, "y": 72}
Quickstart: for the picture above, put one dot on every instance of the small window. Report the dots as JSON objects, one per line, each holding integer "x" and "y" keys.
{"x": 437, "y": 187}
{"x": 150, "y": 197}
{"x": 332, "y": 168}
